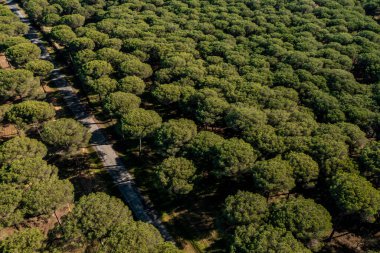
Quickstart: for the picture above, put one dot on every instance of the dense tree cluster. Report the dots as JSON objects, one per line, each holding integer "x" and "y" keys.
{"x": 297, "y": 219}
{"x": 104, "y": 224}
{"x": 283, "y": 94}
{"x": 31, "y": 187}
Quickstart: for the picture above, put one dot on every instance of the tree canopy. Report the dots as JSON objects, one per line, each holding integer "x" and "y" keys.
{"x": 273, "y": 176}
{"x": 233, "y": 157}
{"x": 21, "y": 147}
{"x": 30, "y": 112}
{"x": 66, "y": 134}
{"x": 285, "y": 90}
{"x": 176, "y": 175}
{"x": 245, "y": 208}
{"x": 120, "y": 103}
{"x": 136, "y": 237}
{"x": 138, "y": 123}
{"x": 354, "y": 194}
{"x": 40, "y": 68}
{"x": 306, "y": 170}
{"x": 174, "y": 134}
{"x": 94, "y": 217}
{"x": 21, "y": 54}
{"x": 19, "y": 83}
{"x": 265, "y": 239}
{"x": 306, "y": 219}
{"x": 28, "y": 240}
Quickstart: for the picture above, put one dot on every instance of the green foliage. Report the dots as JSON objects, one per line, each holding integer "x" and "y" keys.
{"x": 84, "y": 56}
{"x": 324, "y": 147}
{"x": 28, "y": 240}
{"x": 98, "y": 37}
{"x": 30, "y": 112}
{"x": 291, "y": 78}
{"x": 369, "y": 63}
{"x": 209, "y": 108}
{"x": 10, "y": 214}
{"x": 234, "y": 157}
{"x": 104, "y": 85}
{"x": 325, "y": 106}
{"x": 97, "y": 68}
{"x": 46, "y": 196}
{"x": 65, "y": 134}
{"x": 306, "y": 170}
{"x": 370, "y": 158}
{"x": 334, "y": 165}
{"x": 35, "y": 8}
{"x": 306, "y": 219}
{"x": 242, "y": 118}
{"x": 265, "y": 139}
{"x": 26, "y": 171}
{"x": 354, "y": 194}
{"x": 273, "y": 176}
{"x": 167, "y": 93}
{"x": 94, "y": 217}
{"x": 138, "y": 123}
{"x": 174, "y": 134}
{"x": 111, "y": 55}
{"x": 356, "y": 138}
{"x": 176, "y": 175}
{"x": 21, "y": 54}
{"x": 265, "y": 239}
{"x": 201, "y": 148}
{"x": 10, "y": 24}
{"x": 132, "y": 84}
{"x": 12, "y": 41}
{"x": 74, "y": 20}
{"x": 136, "y": 237}
{"x": 82, "y": 44}
{"x": 40, "y": 68}
{"x": 167, "y": 247}
{"x": 62, "y": 34}
{"x": 51, "y": 19}
{"x": 21, "y": 147}
{"x": 245, "y": 208}
{"x": 114, "y": 43}
{"x": 134, "y": 67}
{"x": 31, "y": 187}
{"x": 69, "y": 6}
{"x": 120, "y": 103}
{"x": 19, "y": 82}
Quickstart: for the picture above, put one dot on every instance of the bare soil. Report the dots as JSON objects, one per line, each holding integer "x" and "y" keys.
{"x": 8, "y": 130}
{"x": 4, "y": 64}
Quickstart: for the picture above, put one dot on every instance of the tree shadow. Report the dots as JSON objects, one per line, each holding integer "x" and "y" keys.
{"x": 86, "y": 173}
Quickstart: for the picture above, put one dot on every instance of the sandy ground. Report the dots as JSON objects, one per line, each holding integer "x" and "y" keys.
{"x": 4, "y": 64}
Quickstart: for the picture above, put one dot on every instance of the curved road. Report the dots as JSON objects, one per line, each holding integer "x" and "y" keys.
{"x": 114, "y": 164}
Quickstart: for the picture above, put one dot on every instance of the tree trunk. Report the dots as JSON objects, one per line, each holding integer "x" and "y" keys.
{"x": 38, "y": 129}
{"x": 43, "y": 88}
{"x": 338, "y": 221}
{"x": 59, "y": 222}
{"x": 331, "y": 235}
